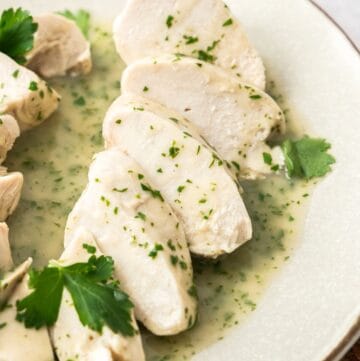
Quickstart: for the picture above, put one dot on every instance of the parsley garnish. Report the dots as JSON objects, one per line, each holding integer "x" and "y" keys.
{"x": 96, "y": 297}
{"x": 154, "y": 252}
{"x": 190, "y": 39}
{"x": 81, "y": 18}
{"x": 267, "y": 158}
{"x": 228, "y": 22}
{"x": 33, "y": 86}
{"x": 307, "y": 157}
{"x": 169, "y": 21}
{"x": 173, "y": 150}
{"x": 155, "y": 193}
{"x": 17, "y": 33}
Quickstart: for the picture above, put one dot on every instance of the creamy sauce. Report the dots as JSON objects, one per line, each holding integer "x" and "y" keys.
{"x": 55, "y": 158}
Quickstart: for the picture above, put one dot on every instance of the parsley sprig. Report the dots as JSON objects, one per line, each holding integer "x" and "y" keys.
{"x": 307, "y": 158}
{"x": 17, "y": 30}
{"x": 96, "y": 297}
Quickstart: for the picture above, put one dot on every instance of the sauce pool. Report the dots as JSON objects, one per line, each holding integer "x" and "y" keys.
{"x": 54, "y": 159}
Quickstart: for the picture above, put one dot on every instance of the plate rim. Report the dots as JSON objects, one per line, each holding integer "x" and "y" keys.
{"x": 353, "y": 335}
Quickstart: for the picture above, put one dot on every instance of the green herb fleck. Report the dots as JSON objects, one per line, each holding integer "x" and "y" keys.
{"x": 169, "y": 21}
{"x": 154, "y": 252}
{"x": 190, "y": 39}
{"x": 141, "y": 216}
{"x": 154, "y": 193}
{"x": 33, "y": 86}
{"x": 80, "y": 101}
{"x": 89, "y": 249}
{"x": 267, "y": 158}
{"x": 228, "y": 22}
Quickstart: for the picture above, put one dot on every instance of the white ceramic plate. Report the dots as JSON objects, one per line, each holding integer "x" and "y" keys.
{"x": 311, "y": 310}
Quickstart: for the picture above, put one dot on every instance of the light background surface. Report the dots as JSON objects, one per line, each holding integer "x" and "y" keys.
{"x": 346, "y": 13}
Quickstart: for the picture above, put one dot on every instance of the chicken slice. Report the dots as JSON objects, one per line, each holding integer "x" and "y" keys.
{"x": 203, "y": 29}
{"x": 18, "y": 343}
{"x": 72, "y": 340}
{"x": 9, "y": 131}
{"x": 59, "y": 49}
{"x": 235, "y": 119}
{"x": 189, "y": 174}
{"x": 6, "y": 262}
{"x": 10, "y": 192}
{"x": 133, "y": 225}
{"x": 11, "y": 280}
{"x": 24, "y": 95}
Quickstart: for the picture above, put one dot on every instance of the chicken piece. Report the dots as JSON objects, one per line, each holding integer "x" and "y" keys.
{"x": 6, "y": 262}
{"x": 9, "y": 131}
{"x": 234, "y": 118}
{"x": 10, "y": 192}
{"x": 132, "y": 223}
{"x": 189, "y": 174}
{"x": 11, "y": 280}
{"x": 72, "y": 340}
{"x": 203, "y": 29}
{"x": 59, "y": 49}
{"x": 24, "y": 95}
{"x": 18, "y": 343}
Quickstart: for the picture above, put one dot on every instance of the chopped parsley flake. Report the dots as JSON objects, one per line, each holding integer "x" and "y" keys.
{"x": 180, "y": 189}
{"x": 190, "y": 39}
{"x": 15, "y": 74}
{"x": 89, "y": 249}
{"x": 154, "y": 193}
{"x": 267, "y": 158}
{"x": 169, "y": 21}
{"x": 33, "y": 86}
{"x": 80, "y": 101}
{"x": 228, "y": 22}
{"x": 174, "y": 260}
{"x": 154, "y": 252}
{"x": 255, "y": 96}
{"x": 119, "y": 190}
{"x": 141, "y": 216}
{"x": 173, "y": 150}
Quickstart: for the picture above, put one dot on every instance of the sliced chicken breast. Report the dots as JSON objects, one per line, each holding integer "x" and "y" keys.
{"x": 189, "y": 174}
{"x": 72, "y": 340}
{"x": 235, "y": 118}
{"x": 9, "y": 131}
{"x": 203, "y": 29}
{"x": 10, "y": 192}
{"x": 6, "y": 262}
{"x": 11, "y": 280}
{"x": 24, "y": 95}
{"x": 59, "y": 49}
{"x": 18, "y": 343}
{"x": 132, "y": 224}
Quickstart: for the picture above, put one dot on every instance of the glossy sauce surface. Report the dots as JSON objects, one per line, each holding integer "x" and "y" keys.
{"x": 55, "y": 158}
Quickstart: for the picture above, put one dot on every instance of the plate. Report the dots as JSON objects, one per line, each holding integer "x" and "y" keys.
{"x": 311, "y": 309}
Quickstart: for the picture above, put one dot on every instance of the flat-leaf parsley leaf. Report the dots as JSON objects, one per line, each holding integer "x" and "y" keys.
{"x": 17, "y": 30}
{"x": 96, "y": 297}
{"x": 307, "y": 157}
